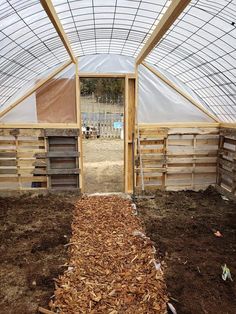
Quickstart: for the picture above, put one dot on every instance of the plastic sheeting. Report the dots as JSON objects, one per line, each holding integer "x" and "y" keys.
{"x": 105, "y": 63}
{"x": 199, "y": 48}
{"x": 54, "y": 102}
{"x": 25, "y": 112}
{"x": 160, "y": 103}
{"x": 157, "y": 101}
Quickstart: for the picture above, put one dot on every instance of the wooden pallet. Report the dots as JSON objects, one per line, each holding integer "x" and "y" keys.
{"x": 39, "y": 159}
{"x": 178, "y": 158}
{"x": 226, "y": 163}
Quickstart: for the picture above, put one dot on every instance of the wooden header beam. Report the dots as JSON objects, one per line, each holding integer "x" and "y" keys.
{"x": 51, "y": 12}
{"x": 172, "y": 13}
{"x": 103, "y": 75}
{"x": 182, "y": 93}
{"x": 38, "y": 126}
{"x": 33, "y": 89}
{"x": 179, "y": 125}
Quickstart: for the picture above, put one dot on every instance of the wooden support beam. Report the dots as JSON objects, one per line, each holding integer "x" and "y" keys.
{"x": 179, "y": 125}
{"x": 78, "y": 119}
{"x": 104, "y": 75}
{"x": 51, "y": 12}
{"x": 130, "y": 102}
{"x": 228, "y": 125}
{"x": 33, "y": 89}
{"x": 181, "y": 92}
{"x": 172, "y": 13}
{"x": 38, "y": 126}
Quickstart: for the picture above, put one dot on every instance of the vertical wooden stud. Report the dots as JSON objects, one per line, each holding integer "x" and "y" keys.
{"x": 164, "y": 173}
{"x": 194, "y": 159}
{"x": 46, "y": 141}
{"x": 218, "y": 174}
{"x": 18, "y": 163}
{"x": 129, "y": 129}
{"x": 78, "y": 121}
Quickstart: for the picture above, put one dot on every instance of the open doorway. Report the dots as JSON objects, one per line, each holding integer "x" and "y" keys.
{"x": 102, "y": 115}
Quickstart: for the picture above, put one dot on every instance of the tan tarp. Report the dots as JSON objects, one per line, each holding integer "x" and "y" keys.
{"x": 56, "y": 101}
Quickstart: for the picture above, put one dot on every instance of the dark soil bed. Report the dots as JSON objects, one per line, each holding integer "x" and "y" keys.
{"x": 34, "y": 231}
{"x": 182, "y": 225}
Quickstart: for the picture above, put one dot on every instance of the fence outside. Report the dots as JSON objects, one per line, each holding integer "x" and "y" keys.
{"x": 105, "y": 116}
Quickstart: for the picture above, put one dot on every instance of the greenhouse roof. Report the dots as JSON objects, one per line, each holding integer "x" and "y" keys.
{"x": 199, "y": 48}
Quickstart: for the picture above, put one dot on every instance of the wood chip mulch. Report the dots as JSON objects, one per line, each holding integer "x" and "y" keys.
{"x": 111, "y": 268}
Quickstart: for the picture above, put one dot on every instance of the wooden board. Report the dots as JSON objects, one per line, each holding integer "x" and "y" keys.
{"x": 25, "y": 158}
{"x": 226, "y": 163}
{"x": 184, "y": 157}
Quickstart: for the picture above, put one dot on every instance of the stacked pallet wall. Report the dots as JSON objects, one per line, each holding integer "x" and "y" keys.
{"x": 226, "y": 170}
{"x": 177, "y": 158}
{"x": 39, "y": 159}
{"x": 18, "y": 161}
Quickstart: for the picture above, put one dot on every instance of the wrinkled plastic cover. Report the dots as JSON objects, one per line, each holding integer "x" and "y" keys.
{"x": 25, "y": 112}
{"x": 106, "y": 63}
{"x": 157, "y": 102}
{"x": 53, "y": 102}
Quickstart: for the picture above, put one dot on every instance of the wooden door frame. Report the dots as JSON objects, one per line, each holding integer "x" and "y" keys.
{"x": 129, "y": 122}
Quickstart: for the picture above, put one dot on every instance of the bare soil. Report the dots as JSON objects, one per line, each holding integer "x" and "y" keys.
{"x": 182, "y": 226}
{"x": 103, "y": 165}
{"x": 33, "y": 233}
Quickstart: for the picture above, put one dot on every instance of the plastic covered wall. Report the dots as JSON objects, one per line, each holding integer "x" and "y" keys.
{"x": 157, "y": 102}
{"x": 25, "y": 112}
{"x": 160, "y": 103}
{"x": 54, "y": 102}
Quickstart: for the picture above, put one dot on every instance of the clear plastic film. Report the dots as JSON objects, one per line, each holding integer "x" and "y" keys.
{"x": 24, "y": 112}
{"x": 105, "y": 63}
{"x": 53, "y": 102}
{"x": 158, "y": 102}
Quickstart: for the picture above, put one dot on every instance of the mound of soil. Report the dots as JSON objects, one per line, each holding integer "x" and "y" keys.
{"x": 33, "y": 231}
{"x": 182, "y": 225}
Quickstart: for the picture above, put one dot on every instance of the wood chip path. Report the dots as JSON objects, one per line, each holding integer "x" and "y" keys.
{"x": 111, "y": 268}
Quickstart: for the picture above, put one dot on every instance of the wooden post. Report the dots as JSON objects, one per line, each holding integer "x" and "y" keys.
{"x": 130, "y": 102}
{"x": 194, "y": 159}
{"x": 165, "y": 156}
{"x": 78, "y": 120}
{"x": 218, "y": 174}
{"x": 18, "y": 162}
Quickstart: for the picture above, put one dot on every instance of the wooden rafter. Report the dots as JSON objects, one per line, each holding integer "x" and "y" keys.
{"x": 174, "y": 10}
{"x": 33, "y": 89}
{"x": 181, "y": 92}
{"x": 51, "y": 12}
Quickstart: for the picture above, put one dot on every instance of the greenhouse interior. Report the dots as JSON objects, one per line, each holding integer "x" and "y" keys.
{"x": 118, "y": 156}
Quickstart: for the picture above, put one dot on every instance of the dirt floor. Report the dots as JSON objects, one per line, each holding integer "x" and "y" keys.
{"x": 33, "y": 232}
{"x": 103, "y": 165}
{"x": 182, "y": 226}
